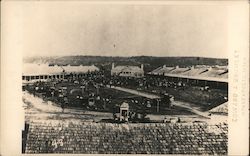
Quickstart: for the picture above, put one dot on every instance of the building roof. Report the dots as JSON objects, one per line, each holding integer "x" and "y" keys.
{"x": 223, "y": 108}
{"x": 44, "y": 69}
{"x": 153, "y": 138}
{"x": 124, "y": 105}
{"x": 216, "y": 73}
{"x": 127, "y": 68}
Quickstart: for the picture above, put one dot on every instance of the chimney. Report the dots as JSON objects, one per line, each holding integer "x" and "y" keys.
{"x": 142, "y": 66}
{"x": 113, "y": 65}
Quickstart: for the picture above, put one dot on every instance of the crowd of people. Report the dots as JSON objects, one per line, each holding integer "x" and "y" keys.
{"x": 90, "y": 92}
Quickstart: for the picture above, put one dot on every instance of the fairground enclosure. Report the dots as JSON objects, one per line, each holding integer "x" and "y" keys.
{"x": 119, "y": 92}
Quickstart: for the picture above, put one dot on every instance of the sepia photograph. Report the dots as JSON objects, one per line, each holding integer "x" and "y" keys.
{"x": 114, "y": 78}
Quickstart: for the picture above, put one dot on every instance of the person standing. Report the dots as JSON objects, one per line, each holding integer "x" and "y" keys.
{"x": 62, "y": 106}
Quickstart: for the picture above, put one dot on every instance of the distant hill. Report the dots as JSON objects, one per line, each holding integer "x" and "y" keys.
{"x": 150, "y": 62}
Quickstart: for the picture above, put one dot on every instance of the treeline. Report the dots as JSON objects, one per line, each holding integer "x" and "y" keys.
{"x": 150, "y": 62}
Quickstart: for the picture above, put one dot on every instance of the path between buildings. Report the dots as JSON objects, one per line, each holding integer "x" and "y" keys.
{"x": 135, "y": 92}
{"x": 185, "y": 105}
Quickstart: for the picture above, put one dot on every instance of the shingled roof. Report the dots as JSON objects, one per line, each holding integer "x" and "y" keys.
{"x": 108, "y": 138}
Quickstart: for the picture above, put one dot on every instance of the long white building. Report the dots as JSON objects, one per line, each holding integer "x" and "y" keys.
{"x": 42, "y": 72}
{"x": 127, "y": 71}
{"x": 204, "y": 75}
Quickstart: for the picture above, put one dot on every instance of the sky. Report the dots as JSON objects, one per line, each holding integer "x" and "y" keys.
{"x": 59, "y": 29}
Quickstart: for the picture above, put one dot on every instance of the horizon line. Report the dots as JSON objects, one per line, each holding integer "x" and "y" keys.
{"x": 123, "y": 56}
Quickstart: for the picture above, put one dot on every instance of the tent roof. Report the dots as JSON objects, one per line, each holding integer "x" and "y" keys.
{"x": 44, "y": 69}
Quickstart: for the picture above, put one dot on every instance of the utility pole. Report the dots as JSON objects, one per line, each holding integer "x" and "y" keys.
{"x": 63, "y": 71}
{"x": 83, "y": 89}
{"x": 104, "y": 104}
{"x": 158, "y": 105}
